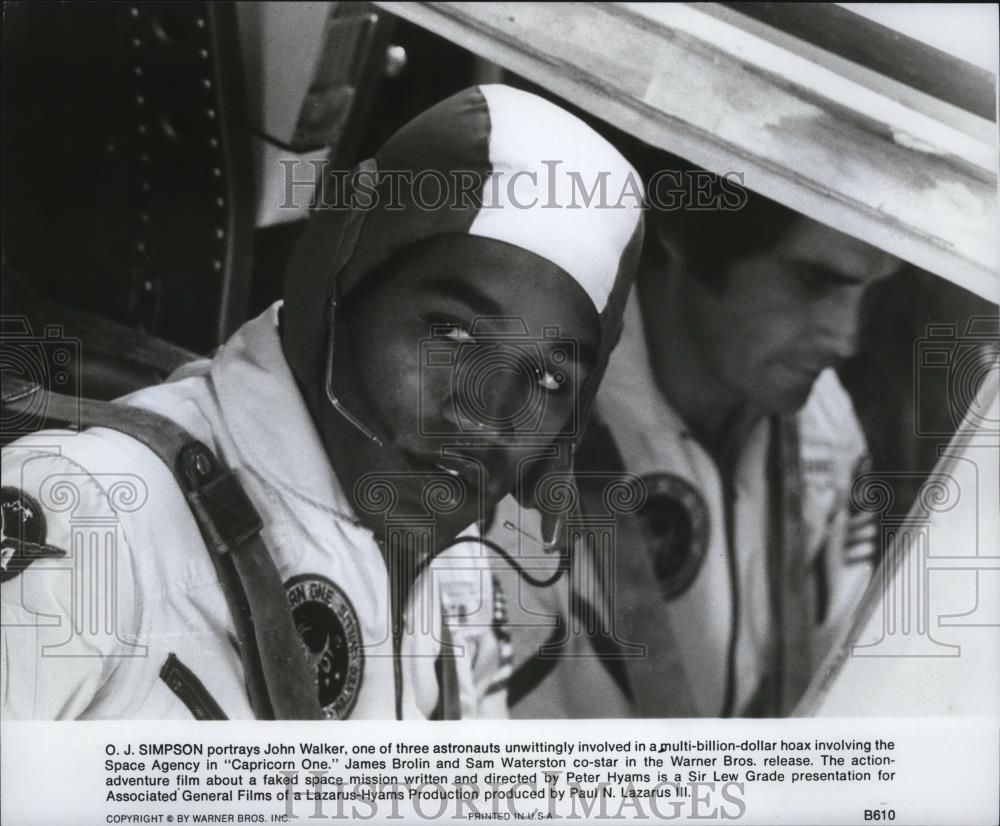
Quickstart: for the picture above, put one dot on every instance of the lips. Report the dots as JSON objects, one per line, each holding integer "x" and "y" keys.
{"x": 479, "y": 474}
{"x": 434, "y": 465}
{"x": 448, "y": 470}
{"x": 466, "y": 475}
{"x": 805, "y": 370}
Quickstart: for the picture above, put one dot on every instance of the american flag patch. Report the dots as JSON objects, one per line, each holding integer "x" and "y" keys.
{"x": 501, "y": 632}
{"x": 860, "y": 538}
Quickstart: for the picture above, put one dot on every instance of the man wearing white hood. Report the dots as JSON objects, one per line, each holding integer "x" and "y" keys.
{"x": 425, "y": 363}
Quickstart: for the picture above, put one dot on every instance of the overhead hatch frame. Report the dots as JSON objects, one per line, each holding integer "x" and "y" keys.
{"x": 862, "y": 153}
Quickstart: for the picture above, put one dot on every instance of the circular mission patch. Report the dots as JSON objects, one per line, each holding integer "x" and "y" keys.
{"x": 328, "y": 625}
{"x": 22, "y": 533}
{"x": 675, "y": 522}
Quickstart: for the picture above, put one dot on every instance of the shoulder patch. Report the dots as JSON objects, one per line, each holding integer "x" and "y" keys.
{"x": 675, "y": 521}
{"x": 328, "y": 626}
{"x": 23, "y": 532}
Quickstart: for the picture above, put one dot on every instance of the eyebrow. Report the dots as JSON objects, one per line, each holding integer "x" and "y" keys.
{"x": 828, "y": 273}
{"x": 468, "y": 294}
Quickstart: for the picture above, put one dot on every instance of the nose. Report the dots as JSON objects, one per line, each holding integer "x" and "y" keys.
{"x": 496, "y": 394}
{"x": 840, "y": 321}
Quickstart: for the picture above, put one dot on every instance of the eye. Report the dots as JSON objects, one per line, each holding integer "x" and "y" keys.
{"x": 548, "y": 381}
{"x": 454, "y": 332}
{"x": 458, "y": 334}
{"x": 810, "y": 279}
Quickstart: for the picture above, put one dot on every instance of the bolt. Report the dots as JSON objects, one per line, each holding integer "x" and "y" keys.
{"x": 395, "y": 61}
{"x": 201, "y": 464}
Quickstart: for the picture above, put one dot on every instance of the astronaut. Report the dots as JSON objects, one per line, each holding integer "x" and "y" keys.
{"x": 729, "y": 582}
{"x": 348, "y": 421}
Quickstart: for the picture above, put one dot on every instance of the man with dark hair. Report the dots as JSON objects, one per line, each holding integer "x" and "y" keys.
{"x": 423, "y": 364}
{"x": 726, "y": 587}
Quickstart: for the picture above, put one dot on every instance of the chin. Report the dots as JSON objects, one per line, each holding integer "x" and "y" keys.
{"x": 450, "y": 523}
{"x": 447, "y": 528}
{"x": 783, "y": 400}
{"x": 786, "y": 404}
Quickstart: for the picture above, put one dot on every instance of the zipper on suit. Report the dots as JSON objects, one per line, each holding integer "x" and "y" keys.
{"x": 728, "y": 505}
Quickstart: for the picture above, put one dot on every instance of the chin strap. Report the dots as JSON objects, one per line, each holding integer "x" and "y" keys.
{"x": 278, "y": 678}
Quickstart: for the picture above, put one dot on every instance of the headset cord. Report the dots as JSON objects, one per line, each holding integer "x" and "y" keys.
{"x": 396, "y": 595}
{"x": 561, "y": 568}
{"x": 729, "y": 699}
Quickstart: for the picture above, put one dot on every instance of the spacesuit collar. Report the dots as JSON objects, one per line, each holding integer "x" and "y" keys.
{"x": 267, "y": 417}
{"x": 630, "y": 384}
{"x": 632, "y": 405}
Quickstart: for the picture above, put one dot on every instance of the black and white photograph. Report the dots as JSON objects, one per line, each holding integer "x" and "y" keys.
{"x": 494, "y": 411}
